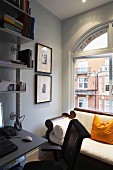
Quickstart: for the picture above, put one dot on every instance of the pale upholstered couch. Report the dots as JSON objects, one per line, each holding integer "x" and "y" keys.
{"x": 100, "y": 152}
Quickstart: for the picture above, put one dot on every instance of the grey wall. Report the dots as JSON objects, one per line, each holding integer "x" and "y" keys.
{"x": 47, "y": 32}
{"x": 72, "y": 29}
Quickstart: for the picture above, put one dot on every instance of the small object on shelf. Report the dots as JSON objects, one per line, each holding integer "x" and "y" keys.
{"x": 20, "y": 86}
{"x": 17, "y": 62}
{"x": 25, "y": 56}
{"x": 7, "y": 86}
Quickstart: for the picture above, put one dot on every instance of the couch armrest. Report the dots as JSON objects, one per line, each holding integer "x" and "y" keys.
{"x": 49, "y": 122}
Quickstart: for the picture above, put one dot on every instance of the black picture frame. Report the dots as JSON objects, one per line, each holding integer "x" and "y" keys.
{"x": 43, "y": 88}
{"x": 43, "y": 59}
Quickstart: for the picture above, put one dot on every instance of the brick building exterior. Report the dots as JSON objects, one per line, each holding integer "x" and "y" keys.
{"x": 92, "y": 84}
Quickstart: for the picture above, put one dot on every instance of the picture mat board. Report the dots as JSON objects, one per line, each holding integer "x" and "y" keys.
{"x": 43, "y": 88}
{"x": 43, "y": 59}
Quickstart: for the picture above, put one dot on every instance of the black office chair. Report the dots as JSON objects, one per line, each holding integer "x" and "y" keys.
{"x": 75, "y": 134}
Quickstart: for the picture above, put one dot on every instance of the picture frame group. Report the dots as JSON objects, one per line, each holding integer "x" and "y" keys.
{"x": 43, "y": 59}
{"x": 43, "y": 88}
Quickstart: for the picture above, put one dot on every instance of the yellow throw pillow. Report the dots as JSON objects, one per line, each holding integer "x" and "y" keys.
{"x": 102, "y": 131}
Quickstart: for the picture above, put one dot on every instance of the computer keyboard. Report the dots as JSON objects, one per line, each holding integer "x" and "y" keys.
{"x": 6, "y": 147}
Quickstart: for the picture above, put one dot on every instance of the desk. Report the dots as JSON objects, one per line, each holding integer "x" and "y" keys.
{"x": 23, "y": 147}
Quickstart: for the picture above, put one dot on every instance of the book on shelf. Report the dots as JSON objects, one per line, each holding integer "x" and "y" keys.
{"x": 14, "y": 2}
{"x": 10, "y": 23}
{"x": 12, "y": 28}
{"x": 28, "y": 25}
{"x": 22, "y": 4}
{"x": 10, "y": 20}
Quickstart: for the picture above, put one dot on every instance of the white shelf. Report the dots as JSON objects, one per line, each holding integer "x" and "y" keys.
{"x": 14, "y": 66}
{"x": 13, "y": 37}
{"x": 12, "y": 91}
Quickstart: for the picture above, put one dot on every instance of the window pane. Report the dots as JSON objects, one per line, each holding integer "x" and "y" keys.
{"x": 92, "y": 88}
{"x": 80, "y": 79}
{"x": 97, "y": 43}
{"x": 80, "y": 85}
{"x": 85, "y": 85}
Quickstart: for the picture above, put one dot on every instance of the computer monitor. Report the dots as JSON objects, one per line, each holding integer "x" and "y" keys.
{"x": 1, "y": 115}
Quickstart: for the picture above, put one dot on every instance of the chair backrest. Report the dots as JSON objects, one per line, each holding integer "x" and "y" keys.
{"x": 75, "y": 134}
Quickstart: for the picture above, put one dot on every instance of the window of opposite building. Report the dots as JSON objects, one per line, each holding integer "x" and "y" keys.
{"x": 83, "y": 102}
{"x": 82, "y": 83}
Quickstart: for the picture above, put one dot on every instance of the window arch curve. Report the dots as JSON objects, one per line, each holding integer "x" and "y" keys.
{"x": 92, "y": 39}
{"x": 102, "y": 30}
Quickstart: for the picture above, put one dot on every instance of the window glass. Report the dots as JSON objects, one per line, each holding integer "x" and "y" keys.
{"x": 97, "y": 43}
{"x": 106, "y": 105}
{"x": 92, "y": 88}
{"x": 107, "y": 83}
{"x": 100, "y": 84}
{"x": 83, "y": 102}
{"x": 100, "y": 104}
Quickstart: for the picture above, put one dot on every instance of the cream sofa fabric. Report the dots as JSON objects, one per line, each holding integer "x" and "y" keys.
{"x": 98, "y": 150}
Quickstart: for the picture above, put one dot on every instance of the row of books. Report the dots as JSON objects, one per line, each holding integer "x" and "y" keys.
{"x": 23, "y": 25}
{"x": 11, "y": 23}
{"x": 22, "y": 4}
{"x": 28, "y": 25}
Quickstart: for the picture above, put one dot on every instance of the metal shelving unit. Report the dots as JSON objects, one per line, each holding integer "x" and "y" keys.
{"x": 14, "y": 38}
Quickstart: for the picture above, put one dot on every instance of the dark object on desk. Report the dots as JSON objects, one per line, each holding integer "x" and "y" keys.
{"x": 8, "y": 131}
{"x": 27, "y": 139}
{"x": 18, "y": 122}
{"x": 18, "y": 125}
{"x": 6, "y": 147}
{"x": 75, "y": 134}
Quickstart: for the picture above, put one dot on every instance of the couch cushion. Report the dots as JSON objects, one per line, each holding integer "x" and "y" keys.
{"x": 55, "y": 139}
{"x": 59, "y": 131}
{"x": 102, "y": 131}
{"x": 97, "y": 150}
{"x": 87, "y": 119}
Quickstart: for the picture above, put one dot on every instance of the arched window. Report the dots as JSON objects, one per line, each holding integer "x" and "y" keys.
{"x": 95, "y": 48}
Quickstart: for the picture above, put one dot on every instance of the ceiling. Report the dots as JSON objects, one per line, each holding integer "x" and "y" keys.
{"x": 67, "y": 8}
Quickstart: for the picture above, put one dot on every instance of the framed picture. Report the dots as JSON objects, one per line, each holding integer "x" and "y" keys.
{"x": 43, "y": 88}
{"x": 43, "y": 62}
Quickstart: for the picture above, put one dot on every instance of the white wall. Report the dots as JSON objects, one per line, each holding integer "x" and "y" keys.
{"x": 47, "y": 32}
{"x": 72, "y": 29}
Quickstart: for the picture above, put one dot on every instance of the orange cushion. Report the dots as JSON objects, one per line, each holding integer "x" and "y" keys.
{"x": 102, "y": 131}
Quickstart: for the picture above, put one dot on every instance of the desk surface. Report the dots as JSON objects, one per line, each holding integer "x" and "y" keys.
{"x": 23, "y": 147}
